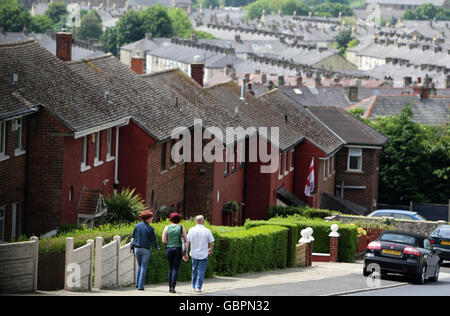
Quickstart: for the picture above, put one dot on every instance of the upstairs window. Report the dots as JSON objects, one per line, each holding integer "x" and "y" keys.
{"x": 291, "y": 161}
{"x": 280, "y": 168}
{"x": 354, "y": 159}
{"x": 227, "y": 167}
{"x": 97, "y": 150}
{"x": 17, "y": 127}
{"x": 109, "y": 155}
{"x": 172, "y": 143}
{"x": 84, "y": 154}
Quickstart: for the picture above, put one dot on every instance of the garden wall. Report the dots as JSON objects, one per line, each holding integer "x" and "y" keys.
{"x": 423, "y": 228}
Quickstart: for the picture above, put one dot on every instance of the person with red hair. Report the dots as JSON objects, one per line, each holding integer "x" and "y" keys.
{"x": 172, "y": 238}
{"x": 144, "y": 238}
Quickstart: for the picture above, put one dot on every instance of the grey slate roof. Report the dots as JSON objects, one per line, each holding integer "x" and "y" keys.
{"x": 48, "y": 43}
{"x": 431, "y": 111}
{"x": 46, "y": 81}
{"x": 305, "y": 123}
{"x": 12, "y": 103}
{"x": 349, "y": 128}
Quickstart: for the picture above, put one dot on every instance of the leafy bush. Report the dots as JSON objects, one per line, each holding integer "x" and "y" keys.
{"x": 282, "y": 211}
{"x": 252, "y": 250}
{"x": 348, "y": 242}
{"x": 124, "y": 207}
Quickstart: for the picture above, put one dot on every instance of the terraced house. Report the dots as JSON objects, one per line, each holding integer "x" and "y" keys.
{"x": 83, "y": 129}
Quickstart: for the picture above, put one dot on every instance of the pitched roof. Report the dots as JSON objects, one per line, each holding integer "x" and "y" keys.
{"x": 45, "y": 80}
{"x": 255, "y": 113}
{"x": 12, "y": 103}
{"x": 305, "y": 123}
{"x": 349, "y": 128}
{"x": 431, "y": 111}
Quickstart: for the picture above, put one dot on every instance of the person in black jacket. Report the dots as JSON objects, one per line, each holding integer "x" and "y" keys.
{"x": 144, "y": 239}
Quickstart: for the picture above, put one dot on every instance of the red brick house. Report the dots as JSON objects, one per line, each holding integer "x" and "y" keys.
{"x": 357, "y": 164}
{"x": 67, "y": 145}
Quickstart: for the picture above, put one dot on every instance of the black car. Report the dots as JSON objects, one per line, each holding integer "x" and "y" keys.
{"x": 404, "y": 253}
{"x": 440, "y": 239}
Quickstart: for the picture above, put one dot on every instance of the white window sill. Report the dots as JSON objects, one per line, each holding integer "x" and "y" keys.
{"x": 280, "y": 177}
{"x": 98, "y": 163}
{"x": 19, "y": 152}
{"x": 3, "y": 157}
{"x": 292, "y": 169}
{"x": 354, "y": 171}
{"x": 110, "y": 158}
{"x": 286, "y": 173}
{"x": 85, "y": 168}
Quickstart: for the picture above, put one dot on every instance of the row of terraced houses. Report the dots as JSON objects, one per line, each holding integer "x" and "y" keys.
{"x": 73, "y": 132}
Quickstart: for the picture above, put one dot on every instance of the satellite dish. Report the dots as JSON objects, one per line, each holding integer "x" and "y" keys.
{"x": 74, "y": 17}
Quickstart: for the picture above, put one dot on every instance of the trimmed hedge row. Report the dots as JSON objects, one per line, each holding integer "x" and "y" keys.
{"x": 252, "y": 250}
{"x": 348, "y": 241}
{"x": 285, "y": 211}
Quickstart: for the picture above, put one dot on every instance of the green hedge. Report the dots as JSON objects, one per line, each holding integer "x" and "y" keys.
{"x": 252, "y": 250}
{"x": 348, "y": 242}
{"x": 284, "y": 211}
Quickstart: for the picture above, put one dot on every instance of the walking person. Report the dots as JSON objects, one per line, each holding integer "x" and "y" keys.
{"x": 172, "y": 239}
{"x": 144, "y": 239}
{"x": 201, "y": 241}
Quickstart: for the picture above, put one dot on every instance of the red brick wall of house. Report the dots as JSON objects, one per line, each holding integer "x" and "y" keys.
{"x": 96, "y": 178}
{"x": 164, "y": 187}
{"x": 12, "y": 173}
{"x": 303, "y": 155}
{"x": 199, "y": 189}
{"x": 44, "y": 173}
{"x": 133, "y": 158}
{"x": 228, "y": 188}
{"x": 369, "y": 177}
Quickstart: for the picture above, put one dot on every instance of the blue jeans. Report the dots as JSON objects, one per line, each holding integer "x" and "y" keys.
{"x": 198, "y": 272}
{"x": 142, "y": 257}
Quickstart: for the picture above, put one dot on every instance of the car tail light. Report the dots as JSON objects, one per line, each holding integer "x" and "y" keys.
{"x": 374, "y": 245}
{"x": 411, "y": 251}
{"x": 432, "y": 241}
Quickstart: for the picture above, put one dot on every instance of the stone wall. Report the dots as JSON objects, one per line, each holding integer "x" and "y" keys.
{"x": 419, "y": 227}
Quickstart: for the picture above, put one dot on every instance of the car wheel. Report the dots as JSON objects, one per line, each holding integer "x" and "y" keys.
{"x": 365, "y": 272}
{"x": 422, "y": 276}
{"x": 435, "y": 278}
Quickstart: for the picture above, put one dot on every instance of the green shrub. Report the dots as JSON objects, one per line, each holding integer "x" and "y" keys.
{"x": 125, "y": 207}
{"x": 252, "y": 250}
{"x": 284, "y": 211}
{"x": 348, "y": 242}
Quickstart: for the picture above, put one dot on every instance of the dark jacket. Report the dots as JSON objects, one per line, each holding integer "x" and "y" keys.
{"x": 144, "y": 236}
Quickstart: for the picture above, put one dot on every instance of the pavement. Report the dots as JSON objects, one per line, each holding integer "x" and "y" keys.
{"x": 322, "y": 279}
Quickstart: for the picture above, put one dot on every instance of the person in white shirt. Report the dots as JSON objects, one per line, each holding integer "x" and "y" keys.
{"x": 201, "y": 241}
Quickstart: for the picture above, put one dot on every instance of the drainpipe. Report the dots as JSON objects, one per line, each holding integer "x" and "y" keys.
{"x": 116, "y": 162}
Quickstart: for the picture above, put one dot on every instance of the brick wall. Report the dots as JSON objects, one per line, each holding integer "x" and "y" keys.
{"x": 199, "y": 189}
{"x": 368, "y": 177}
{"x": 12, "y": 173}
{"x": 164, "y": 187}
{"x": 44, "y": 173}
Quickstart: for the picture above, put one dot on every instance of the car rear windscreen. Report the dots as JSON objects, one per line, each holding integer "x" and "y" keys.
{"x": 444, "y": 233}
{"x": 397, "y": 238}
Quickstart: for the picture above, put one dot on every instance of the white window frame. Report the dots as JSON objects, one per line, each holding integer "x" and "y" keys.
{"x": 350, "y": 155}
{"x": 84, "y": 154}
{"x": 2, "y": 222}
{"x": 291, "y": 165}
{"x": 17, "y": 126}
{"x": 97, "y": 161}
{"x": 109, "y": 156}
{"x": 3, "y": 155}
{"x": 286, "y": 157}
{"x": 280, "y": 167}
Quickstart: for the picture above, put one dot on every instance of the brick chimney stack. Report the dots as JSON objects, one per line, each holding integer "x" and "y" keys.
{"x": 64, "y": 45}
{"x": 198, "y": 70}
{"x": 137, "y": 64}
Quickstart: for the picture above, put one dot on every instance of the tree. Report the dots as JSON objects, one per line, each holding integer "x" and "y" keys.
{"x": 210, "y": 3}
{"x": 255, "y": 10}
{"x": 343, "y": 39}
{"x": 289, "y": 6}
{"x": 41, "y": 23}
{"x": 181, "y": 25}
{"x": 15, "y": 18}
{"x": 91, "y": 26}
{"x": 129, "y": 28}
{"x": 156, "y": 20}
{"x": 415, "y": 162}
{"x": 109, "y": 41}
{"x": 56, "y": 11}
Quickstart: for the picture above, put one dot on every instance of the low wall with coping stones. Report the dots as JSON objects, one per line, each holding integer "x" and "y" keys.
{"x": 419, "y": 227}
